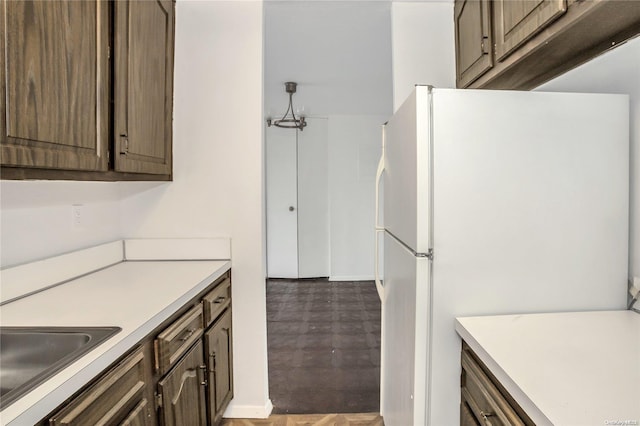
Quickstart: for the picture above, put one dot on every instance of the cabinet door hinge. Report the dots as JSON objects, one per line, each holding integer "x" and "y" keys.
{"x": 158, "y": 398}
{"x": 203, "y": 370}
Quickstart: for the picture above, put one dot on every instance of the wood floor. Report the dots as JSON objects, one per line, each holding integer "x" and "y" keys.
{"x": 359, "y": 419}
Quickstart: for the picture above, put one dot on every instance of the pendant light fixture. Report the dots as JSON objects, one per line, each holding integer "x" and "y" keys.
{"x": 289, "y": 122}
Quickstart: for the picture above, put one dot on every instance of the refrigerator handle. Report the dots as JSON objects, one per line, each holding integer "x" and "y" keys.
{"x": 378, "y": 227}
{"x": 379, "y": 173}
{"x": 379, "y": 285}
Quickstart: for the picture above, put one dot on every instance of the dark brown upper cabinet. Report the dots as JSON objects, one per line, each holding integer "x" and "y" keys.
{"x": 87, "y": 89}
{"x": 535, "y": 40}
{"x": 516, "y": 21}
{"x": 473, "y": 40}
{"x": 144, "y": 86}
{"x": 55, "y": 71}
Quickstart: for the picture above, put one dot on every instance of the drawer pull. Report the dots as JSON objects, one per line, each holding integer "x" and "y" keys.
{"x": 219, "y": 299}
{"x": 188, "y": 333}
{"x": 485, "y": 417}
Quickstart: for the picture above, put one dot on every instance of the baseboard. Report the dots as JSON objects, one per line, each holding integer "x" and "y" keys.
{"x": 237, "y": 411}
{"x": 352, "y": 278}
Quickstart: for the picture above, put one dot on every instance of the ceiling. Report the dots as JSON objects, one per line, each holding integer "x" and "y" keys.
{"x": 339, "y": 53}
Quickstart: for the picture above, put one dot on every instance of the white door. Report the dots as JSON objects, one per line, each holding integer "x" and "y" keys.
{"x": 282, "y": 203}
{"x": 298, "y": 201}
{"x": 405, "y": 325}
{"x": 313, "y": 200}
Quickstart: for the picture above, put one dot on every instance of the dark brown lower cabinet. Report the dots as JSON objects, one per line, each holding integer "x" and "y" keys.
{"x": 176, "y": 376}
{"x": 484, "y": 401}
{"x": 466, "y": 416}
{"x": 120, "y": 397}
{"x": 219, "y": 353}
{"x": 138, "y": 416}
{"x": 182, "y": 391}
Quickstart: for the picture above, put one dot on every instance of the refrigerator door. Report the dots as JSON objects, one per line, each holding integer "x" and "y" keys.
{"x": 405, "y": 324}
{"x": 407, "y": 172}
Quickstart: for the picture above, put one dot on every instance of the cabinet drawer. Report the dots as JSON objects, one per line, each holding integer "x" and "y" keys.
{"x": 216, "y": 301}
{"x": 484, "y": 399}
{"x": 176, "y": 339}
{"x": 117, "y": 397}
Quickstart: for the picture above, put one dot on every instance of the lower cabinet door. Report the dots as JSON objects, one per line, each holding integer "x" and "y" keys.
{"x": 183, "y": 391}
{"x": 219, "y": 351}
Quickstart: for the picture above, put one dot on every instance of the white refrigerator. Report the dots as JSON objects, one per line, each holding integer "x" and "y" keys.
{"x": 495, "y": 202}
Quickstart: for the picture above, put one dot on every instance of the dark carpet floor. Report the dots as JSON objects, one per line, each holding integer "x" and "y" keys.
{"x": 324, "y": 346}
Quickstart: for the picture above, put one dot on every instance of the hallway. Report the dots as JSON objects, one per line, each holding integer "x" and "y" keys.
{"x": 324, "y": 346}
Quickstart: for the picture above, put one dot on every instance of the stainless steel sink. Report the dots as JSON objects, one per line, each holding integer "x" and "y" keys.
{"x": 30, "y": 355}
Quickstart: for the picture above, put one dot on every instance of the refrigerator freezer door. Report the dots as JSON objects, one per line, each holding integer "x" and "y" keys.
{"x": 405, "y": 324}
{"x": 407, "y": 172}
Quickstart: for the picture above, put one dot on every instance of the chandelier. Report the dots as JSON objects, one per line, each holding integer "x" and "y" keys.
{"x": 289, "y": 122}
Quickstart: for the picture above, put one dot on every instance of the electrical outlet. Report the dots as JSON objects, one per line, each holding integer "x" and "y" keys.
{"x": 77, "y": 215}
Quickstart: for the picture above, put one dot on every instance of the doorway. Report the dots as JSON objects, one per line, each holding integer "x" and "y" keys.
{"x": 297, "y": 201}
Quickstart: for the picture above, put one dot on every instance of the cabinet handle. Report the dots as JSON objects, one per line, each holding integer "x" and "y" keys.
{"x": 485, "y": 417}
{"x": 188, "y": 333}
{"x": 483, "y": 46}
{"x": 219, "y": 299}
{"x": 125, "y": 143}
{"x": 212, "y": 362}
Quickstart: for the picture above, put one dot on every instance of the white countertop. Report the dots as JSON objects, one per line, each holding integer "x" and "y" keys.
{"x": 136, "y": 296}
{"x": 568, "y": 369}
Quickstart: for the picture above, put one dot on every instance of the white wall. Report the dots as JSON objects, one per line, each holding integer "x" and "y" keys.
{"x": 218, "y": 170}
{"x": 422, "y": 36}
{"x": 354, "y": 150}
{"x": 617, "y": 71}
{"x": 36, "y": 220}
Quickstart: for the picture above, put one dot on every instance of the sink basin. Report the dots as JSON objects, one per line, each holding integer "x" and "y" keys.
{"x": 30, "y": 355}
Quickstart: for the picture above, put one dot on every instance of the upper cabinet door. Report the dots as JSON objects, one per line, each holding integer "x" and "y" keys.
{"x": 143, "y": 86}
{"x": 473, "y": 40}
{"x": 516, "y": 21}
{"x": 55, "y": 78}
